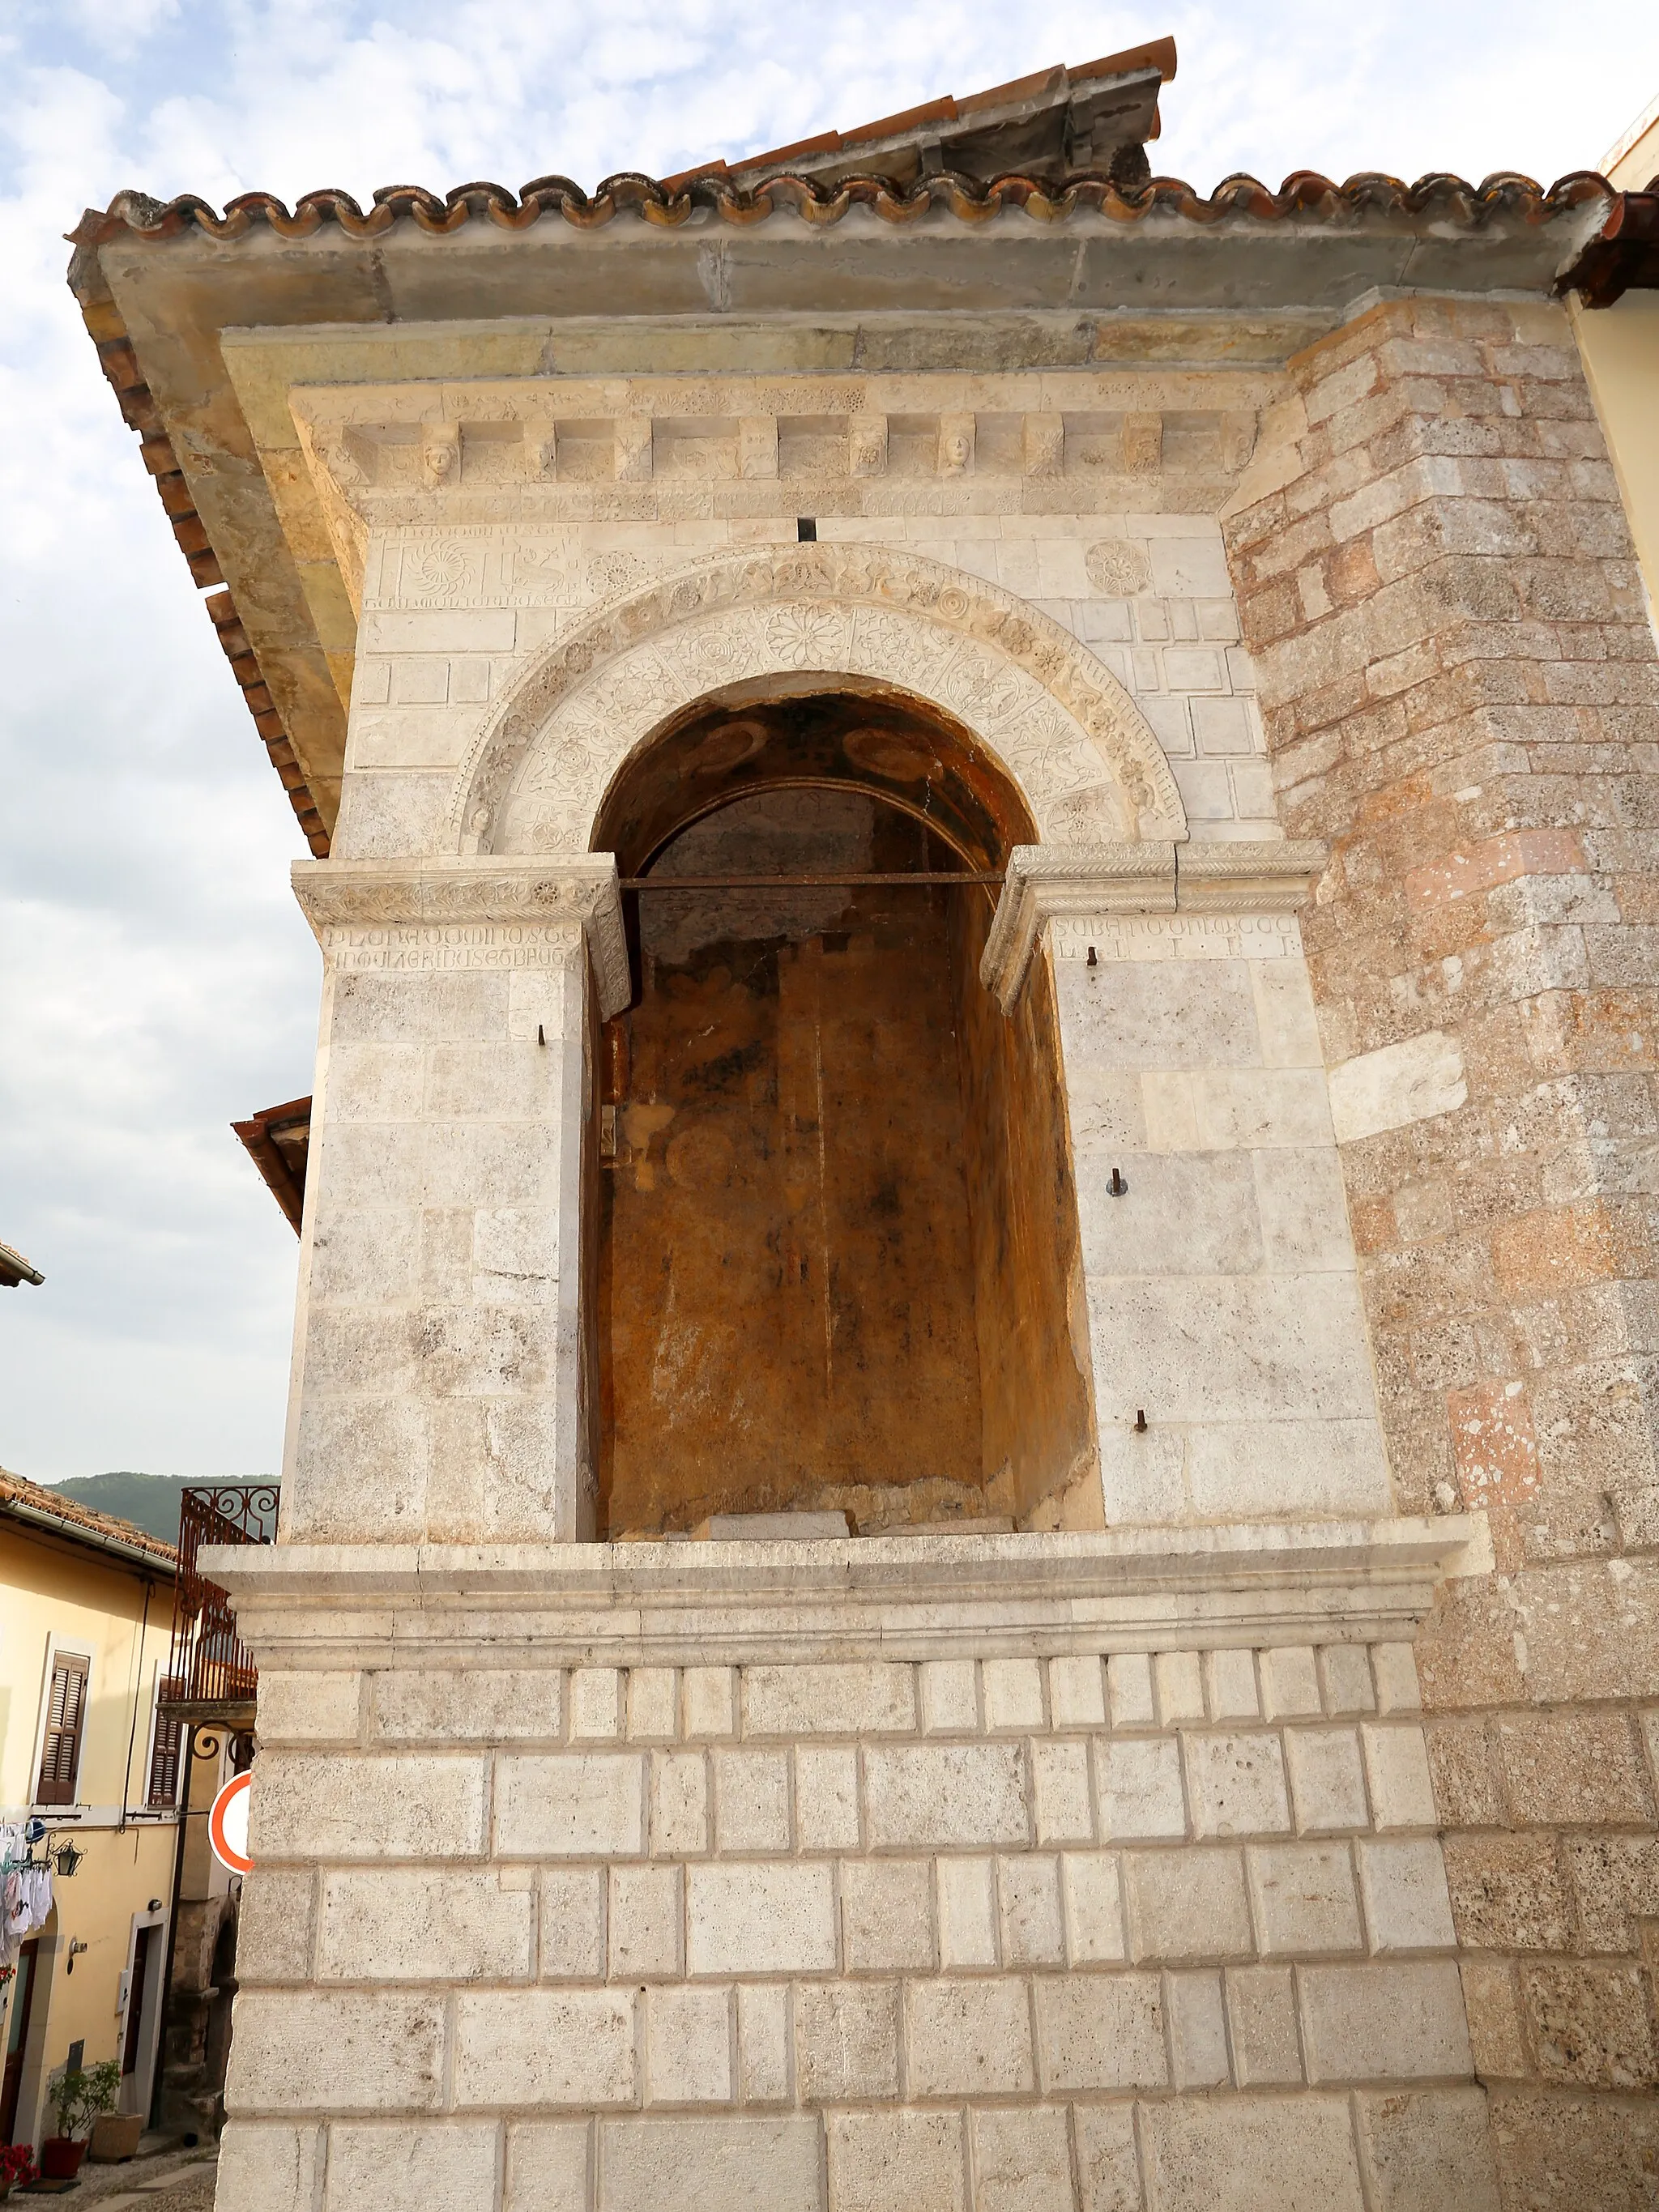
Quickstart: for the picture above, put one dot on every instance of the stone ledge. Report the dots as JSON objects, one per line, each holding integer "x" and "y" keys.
{"x": 905, "y": 1597}
{"x": 1048, "y": 882}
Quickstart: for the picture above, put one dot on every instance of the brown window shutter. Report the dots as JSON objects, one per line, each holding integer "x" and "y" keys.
{"x": 164, "y": 1758}
{"x": 65, "y": 1717}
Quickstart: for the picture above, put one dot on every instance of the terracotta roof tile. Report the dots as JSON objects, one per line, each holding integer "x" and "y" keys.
{"x": 81, "y": 1520}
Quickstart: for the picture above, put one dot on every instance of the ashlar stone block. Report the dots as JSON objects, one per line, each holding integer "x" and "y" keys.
{"x": 370, "y": 2166}
{"x": 879, "y": 2161}
{"x": 1424, "y": 2150}
{"x": 277, "y": 1926}
{"x": 1403, "y": 1883}
{"x": 1230, "y": 1687}
{"x": 416, "y": 1924}
{"x": 1028, "y": 1889}
{"x": 1262, "y": 2013}
{"x": 1186, "y": 1905}
{"x": 654, "y": 1697}
{"x": 337, "y": 1806}
{"x": 968, "y": 2038}
{"x": 761, "y": 1918}
{"x": 710, "y": 1695}
{"x": 1327, "y": 1781}
{"x": 1022, "y": 2161}
{"x": 548, "y": 2166}
{"x": 870, "y": 1698}
{"x": 309, "y": 1708}
{"x": 826, "y": 1799}
{"x": 1198, "y": 2030}
{"x": 1076, "y": 1693}
{"x": 1059, "y": 1781}
{"x": 1236, "y": 1784}
{"x": 596, "y": 1704}
{"x": 1180, "y": 1685}
{"x": 1014, "y": 1695}
{"x": 307, "y": 2051}
{"x": 546, "y": 2046}
{"x": 707, "y": 2164}
{"x": 967, "y": 1911}
{"x": 1100, "y": 2032}
{"x": 573, "y": 1925}
{"x": 763, "y": 2043}
{"x": 1094, "y": 1908}
{"x": 1397, "y": 1769}
{"x": 752, "y": 1801}
{"x": 1108, "y": 2164}
{"x": 1129, "y": 1686}
{"x": 579, "y": 1805}
{"x": 644, "y": 1923}
{"x": 266, "y": 2165}
{"x": 492, "y": 1706}
{"x": 688, "y": 2046}
{"x": 1241, "y": 2153}
{"x": 1139, "y": 1781}
{"x": 944, "y": 1796}
{"x": 680, "y": 1804}
{"x": 1346, "y": 1672}
{"x": 949, "y": 1697}
{"x": 846, "y": 2040}
{"x": 1304, "y": 1901}
{"x": 887, "y": 1915}
{"x": 1383, "y": 2022}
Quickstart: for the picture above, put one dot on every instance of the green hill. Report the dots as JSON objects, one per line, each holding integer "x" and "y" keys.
{"x": 151, "y": 1501}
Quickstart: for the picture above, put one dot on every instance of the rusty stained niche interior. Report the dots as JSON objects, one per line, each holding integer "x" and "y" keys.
{"x": 835, "y": 1258}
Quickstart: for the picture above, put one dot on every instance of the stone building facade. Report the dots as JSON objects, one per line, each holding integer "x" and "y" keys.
{"x": 983, "y": 847}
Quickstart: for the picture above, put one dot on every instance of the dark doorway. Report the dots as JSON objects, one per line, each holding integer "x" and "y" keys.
{"x": 836, "y": 1245}
{"x": 17, "y": 2036}
{"x": 137, "y": 1990}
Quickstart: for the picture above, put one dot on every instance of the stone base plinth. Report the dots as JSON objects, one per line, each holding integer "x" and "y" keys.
{"x": 1050, "y": 1873}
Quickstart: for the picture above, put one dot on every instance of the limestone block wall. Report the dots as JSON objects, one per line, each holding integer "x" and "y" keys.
{"x": 1164, "y": 1929}
{"x": 436, "y": 1381}
{"x": 1092, "y": 497}
{"x": 1460, "y": 686}
{"x": 1223, "y": 1302}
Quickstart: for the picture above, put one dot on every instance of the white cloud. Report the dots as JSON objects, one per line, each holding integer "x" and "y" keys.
{"x": 154, "y": 978}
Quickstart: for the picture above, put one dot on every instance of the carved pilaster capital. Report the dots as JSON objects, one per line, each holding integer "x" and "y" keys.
{"x": 471, "y": 912}
{"x": 1043, "y": 881}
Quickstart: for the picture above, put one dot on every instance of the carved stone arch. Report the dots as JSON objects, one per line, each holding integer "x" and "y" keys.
{"x": 1065, "y": 731}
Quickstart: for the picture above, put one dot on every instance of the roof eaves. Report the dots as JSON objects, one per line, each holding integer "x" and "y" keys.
{"x": 119, "y": 363}
{"x": 34, "y": 1507}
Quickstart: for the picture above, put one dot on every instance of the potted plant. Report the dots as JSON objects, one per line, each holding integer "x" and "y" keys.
{"x": 17, "y": 2167}
{"x": 78, "y": 2094}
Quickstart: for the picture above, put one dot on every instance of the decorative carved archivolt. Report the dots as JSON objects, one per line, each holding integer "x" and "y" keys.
{"x": 1059, "y": 722}
{"x": 471, "y": 914}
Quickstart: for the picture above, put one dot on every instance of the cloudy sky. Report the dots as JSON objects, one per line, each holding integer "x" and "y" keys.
{"x": 156, "y": 980}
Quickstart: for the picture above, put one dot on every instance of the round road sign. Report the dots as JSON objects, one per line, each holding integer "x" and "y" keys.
{"x": 227, "y": 1826}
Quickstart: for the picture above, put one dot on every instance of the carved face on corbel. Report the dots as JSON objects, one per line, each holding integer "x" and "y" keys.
{"x": 953, "y": 452}
{"x": 440, "y": 454}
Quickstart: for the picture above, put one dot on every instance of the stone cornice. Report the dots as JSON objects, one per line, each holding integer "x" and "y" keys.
{"x": 927, "y": 1595}
{"x": 1043, "y": 881}
{"x": 578, "y": 887}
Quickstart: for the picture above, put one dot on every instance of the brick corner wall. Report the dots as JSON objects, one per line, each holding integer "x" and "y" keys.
{"x": 1459, "y": 687}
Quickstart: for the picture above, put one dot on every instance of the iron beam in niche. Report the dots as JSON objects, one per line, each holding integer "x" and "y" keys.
{"x": 808, "y": 882}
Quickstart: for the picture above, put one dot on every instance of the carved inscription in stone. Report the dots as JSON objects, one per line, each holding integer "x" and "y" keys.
{"x": 1175, "y": 936}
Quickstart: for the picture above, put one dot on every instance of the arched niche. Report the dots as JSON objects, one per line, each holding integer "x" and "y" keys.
{"x": 1059, "y": 725}
{"x": 835, "y": 1257}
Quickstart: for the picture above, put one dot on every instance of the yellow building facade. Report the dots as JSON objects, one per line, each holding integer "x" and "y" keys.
{"x": 1619, "y": 345}
{"x": 86, "y": 1612}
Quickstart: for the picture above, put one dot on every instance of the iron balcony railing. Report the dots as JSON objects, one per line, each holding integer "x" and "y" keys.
{"x": 210, "y": 1673}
